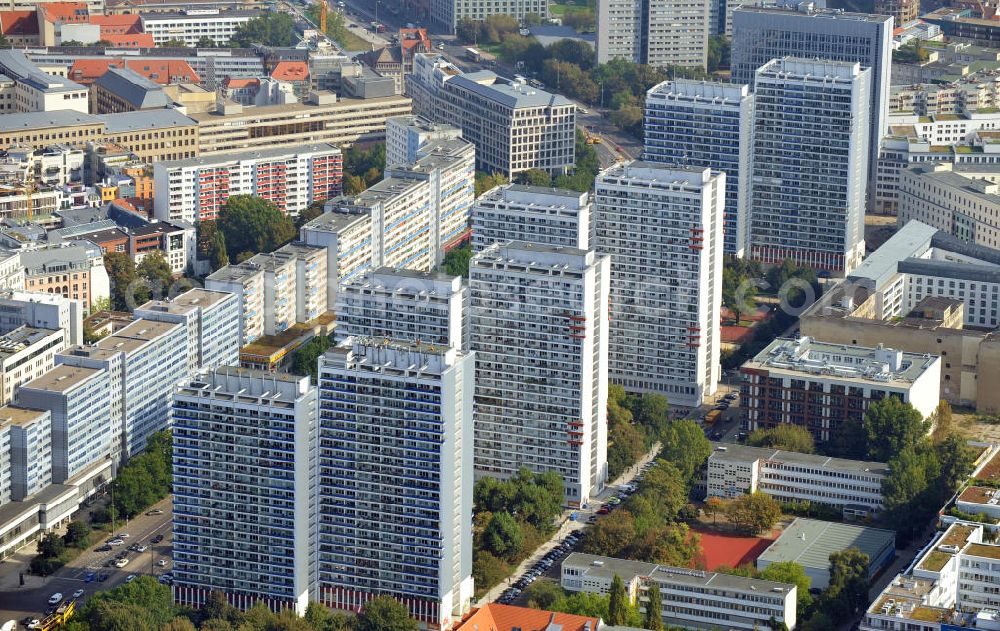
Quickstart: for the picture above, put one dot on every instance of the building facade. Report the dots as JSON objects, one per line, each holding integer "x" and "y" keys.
{"x": 25, "y": 354}
{"x": 395, "y": 485}
{"x": 539, "y": 317}
{"x": 662, "y": 226}
{"x": 810, "y": 169}
{"x": 406, "y": 135}
{"x": 819, "y": 385}
{"x": 698, "y": 123}
{"x": 656, "y": 33}
{"x": 190, "y": 25}
{"x": 953, "y": 199}
{"x": 535, "y": 214}
{"x": 245, "y": 447}
{"x": 30, "y": 450}
{"x": 291, "y": 178}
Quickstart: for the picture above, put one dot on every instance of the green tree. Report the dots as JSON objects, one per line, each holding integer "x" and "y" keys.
{"x": 849, "y": 439}
{"x": 583, "y": 604}
{"x": 77, "y": 534}
{"x": 665, "y": 486}
{"x": 488, "y": 181}
{"x": 306, "y": 360}
{"x": 626, "y": 445}
{"x": 272, "y": 28}
{"x": 819, "y": 621}
{"x": 467, "y": 31}
{"x": 611, "y": 535}
{"x": 719, "y": 50}
{"x": 942, "y": 421}
{"x": 354, "y": 185}
{"x": 502, "y": 537}
{"x": 51, "y": 545}
{"x": 618, "y": 602}
{"x": 653, "y": 412}
{"x": 670, "y": 544}
{"x": 847, "y": 594}
{"x": 205, "y": 42}
{"x": 892, "y": 425}
{"x": 753, "y": 513}
{"x": 154, "y": 268}
{"x": 384, "y": 613}
{"x": 487, "y": 570}
{"x": 142, "y": 604}
{"x": 174, "y": 43}
{"x": 794, "y": 574}
{"x": 252, "y": 224}
{"x": 456, "y": 260}
{"x": 685, "y": 445}
{"x": 738, "y": 292}
{"x": 784, "y": 436}
{"x": 957, "y": 460}
{"x": 534, "y": 177}
{"x": 121, "y": 273}
{"x": 543, "y": 594}
{"x": 582, "y": 20}
{"x": 325, "y": 619}
{"x": 311, "y": 212}
{"x": 211, "y": 244}
{"x": 653, "y": 618}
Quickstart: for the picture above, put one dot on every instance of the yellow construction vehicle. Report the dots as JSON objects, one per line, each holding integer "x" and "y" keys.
{"x": 59, "y": 617}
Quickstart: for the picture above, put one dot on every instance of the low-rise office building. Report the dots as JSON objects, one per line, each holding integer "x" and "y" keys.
{"x": 691, "y": 599}
{"x": 124, "y": 90}
{"x": 819, "y": 385}
{"x": 853, "y": 486}
{"x": 39, "y": 91}
{"x": 534, "y": 214}
{"x": 43, "y": 311}
{"x": 191, "y": 24}
{"x": 964, "y": 202}
{"x": 27, "y": 353}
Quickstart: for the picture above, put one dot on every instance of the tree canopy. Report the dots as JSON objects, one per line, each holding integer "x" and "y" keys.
{"x": 785, "y": 436}
{"x": 892, "y": 425}
{"x": 753, "y": 513}
{"x": 252, "y": 225}
{"x": 272, "y": 28}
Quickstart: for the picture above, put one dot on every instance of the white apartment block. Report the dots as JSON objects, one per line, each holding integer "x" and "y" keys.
{"x": 705, "y": 124}
{"x": 5, "y": 466}
{"x": 406, "y": 135}
{"x": 952, "y": 584}
{"x": 819, "y": 385}
{"x": 946, "y": 130}
{"x": 429, "y": 307}
{"x": 539, "y": 321}
{"x": 291, "y": 177}
{"x": 347, "y": 239}
{"x": 854, "y": 486}
{"x": 212, "y": 320}
{"x": 690, "y": 599}
{"x": 963, "y": 201}
{"x": 26, "y": 353}
{"x": 547, "y": 216}
{"x": 662, "y": 226}
{"x": 191, "y": 25}
{"x": 244, "y": 516}
{"x": 30, "y": 450}
{"x": 515, "y": 127}
{"x": 810, "y": 170}
{"x": 279, "y": 290}
{"x": 447, "y": 13}
{"x": 657, "y": 33}
{"x": 77, "y": 399}
{"x": 43, "y": 311}
{"x": 396, "y": 486}
{"x": 246, "y": 282}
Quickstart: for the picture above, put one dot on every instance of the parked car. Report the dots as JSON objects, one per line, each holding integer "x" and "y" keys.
{"x": 156, "y": 539}
{"x": 104, "y": 548}
{"x": 603, "y": 510}
{"x": 155, "y": 511}
{"x": 161, "y": 563}
{"x": 140, "y": 549}
{"x": 129, "y": 578}
{"x": 78, "y": 593}
{"x": 120, "y": 563}
{"x": 102, "y": 577}
{"x": 89, "y": 577}
{"x": 31, "y": 622}
{"x": 123, "y": 535}
{"x": 116, "y": 542}
{"x": 55, "y": 598}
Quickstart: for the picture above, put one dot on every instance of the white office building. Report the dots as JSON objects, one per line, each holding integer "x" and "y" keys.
{"x": 810, "y": 163}
{"x": 212, "y": 321}
{"x": 346, "y": 237}
{"x": 852, "y": 486}
{"x": 657, "y": 33}
{"x": 961, "y": 201}
{"x": 706, "y": 124}
{"x": 547, "y": 216}
{"x": 190, "y": 25}
{"x": 245, "y": 445}
{"x": 77, "y": 399}
{"x": 395, "y": 477}
{"x": 405, "y": 305}
{"x": 808, "y": 31}
{"x": 540, "y": 332}
{"x": 25, "y": 354}
{"x": 691, "y": 599}
{"x": 662, "y": 226}
{"x": 514, "y": 127}
{"x": 30, "y": 450}
{"x": 406, "y": 135}
{"x": 447, "y": 13}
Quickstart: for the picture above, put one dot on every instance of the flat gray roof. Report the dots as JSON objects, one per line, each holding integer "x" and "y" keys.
{"x": 41, "y": 120}
{"x": 249, "y": 154}
{"x": 336, "y": 221}
{"x": 743, "y": 453}
{"x": 810, "y": 542}
{"x": 496, "y": 88}
{"x": 134, "y": 88}
{"x": 148, "y": 119}
{"x": 913, "y": 239}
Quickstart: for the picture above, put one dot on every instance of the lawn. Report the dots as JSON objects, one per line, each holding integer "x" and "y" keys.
{"x": 351, "y": 42}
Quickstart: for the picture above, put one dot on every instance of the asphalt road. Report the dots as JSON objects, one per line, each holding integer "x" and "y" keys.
{"x": 32, "y": 599}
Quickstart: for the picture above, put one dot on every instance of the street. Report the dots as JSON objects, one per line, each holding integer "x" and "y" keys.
{"x": 17, "y": 602}
{"x": 568, "y": 526}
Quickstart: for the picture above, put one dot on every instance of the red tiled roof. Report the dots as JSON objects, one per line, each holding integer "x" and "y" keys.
{"x": 111, "y": 24}
{"x": 414, "y": 38}
{"x": 290, "y": 71}
{"x": 234, "y": 82}
{"x": 19, "y": 23}
{"x": 65, "y": 11}
{"x": 494, "y": 617}
{"x": 130, "y": 40}
{"x": 164, "y": 71}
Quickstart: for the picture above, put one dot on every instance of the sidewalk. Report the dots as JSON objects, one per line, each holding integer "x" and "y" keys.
{"x": 567, "y": 526}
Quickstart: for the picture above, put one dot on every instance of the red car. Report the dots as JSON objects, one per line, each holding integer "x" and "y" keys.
{"x": 603, "y": 510}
